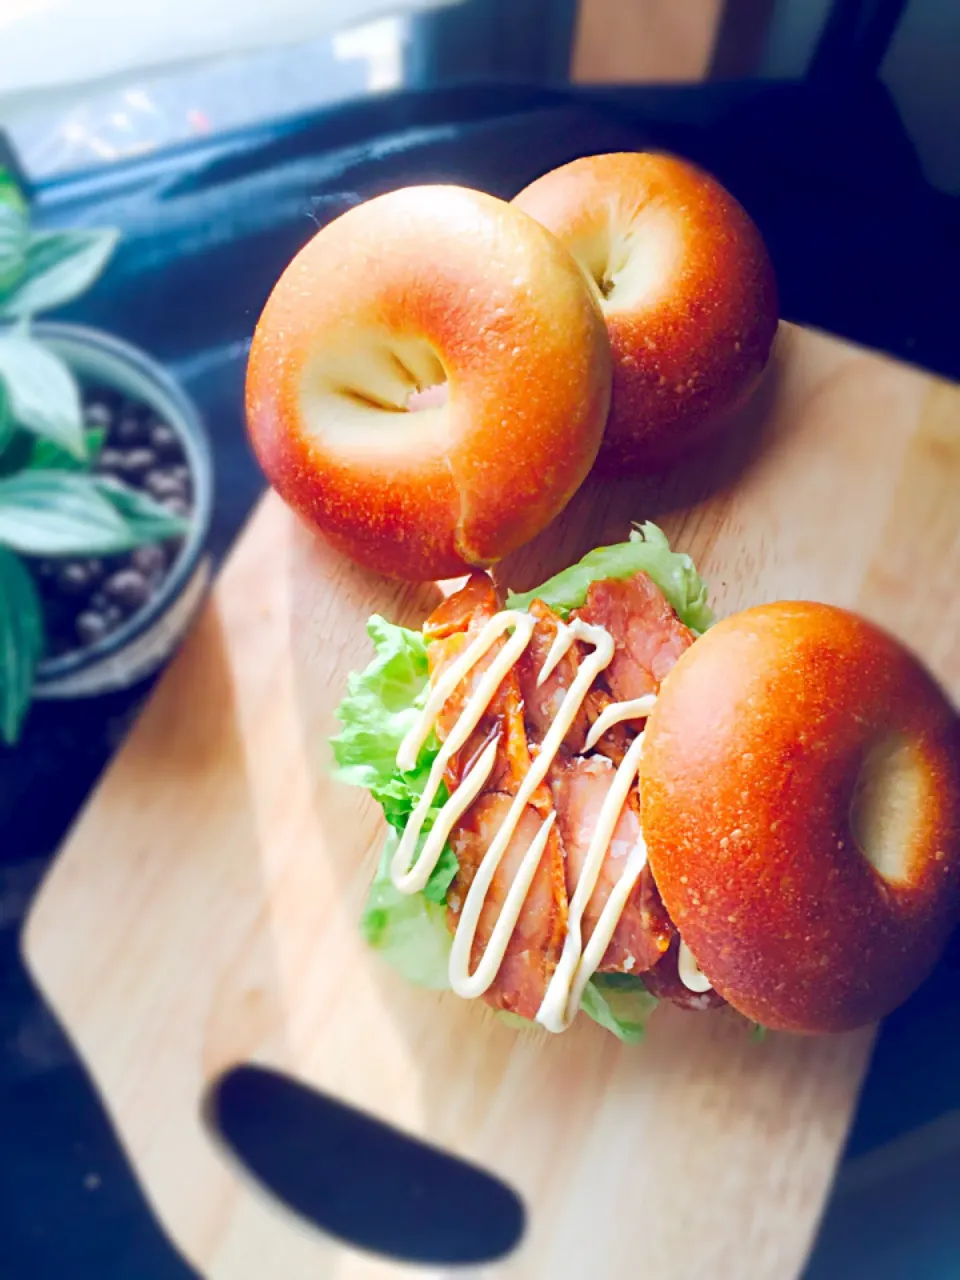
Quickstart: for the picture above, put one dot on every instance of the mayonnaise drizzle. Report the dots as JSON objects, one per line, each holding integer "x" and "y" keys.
{"x": 616, "y": 712}
{"x": 463, "y": 982}
{"x": 691, "y": 975}
{"x": 562, "y": 644}
{"x": 577, "y": 965}
{"x": 522, "y": 624}
{"x": 411, "y": 872}
{"x": 408, "y": 872}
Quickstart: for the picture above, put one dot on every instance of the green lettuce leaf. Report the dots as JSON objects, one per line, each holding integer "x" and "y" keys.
{"x": 408, "y": 929}
{"x": 647, "y": 549}
{"x": 620, "y": 1003}
{"x": 380, "y": 706}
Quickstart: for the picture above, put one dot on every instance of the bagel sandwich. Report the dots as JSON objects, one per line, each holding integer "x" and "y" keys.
{"x": 597, "y": 798}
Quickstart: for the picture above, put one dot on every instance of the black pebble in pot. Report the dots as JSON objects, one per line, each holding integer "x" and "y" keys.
{"x": 85, "y": 599}
{"x": 97, "y": 414}
{"x": 91, "y": 627}
{"x": 135, "y": 463}
{"x": 165, "y": 441}
{"x": 150, "y": 560}
{"x": 96, "y": 570}
{"x": 109, "y": 462}
{"x": 128, "y": 588}
{"x": 73, "y": 578}
{"x": 130, "y": 429}
{"x": 164, "y": 484}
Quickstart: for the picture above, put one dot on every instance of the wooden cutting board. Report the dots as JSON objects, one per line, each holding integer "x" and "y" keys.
{"x": 203, "y": 912}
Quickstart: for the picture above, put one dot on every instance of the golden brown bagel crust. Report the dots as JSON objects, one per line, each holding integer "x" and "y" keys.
{"x": 409, "y": 288}
{"x": 750, "y": 766}
{"x": 689, "y": 350}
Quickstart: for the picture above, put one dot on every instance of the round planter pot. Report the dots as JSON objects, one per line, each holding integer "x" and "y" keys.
{"x": 148, "y": 637}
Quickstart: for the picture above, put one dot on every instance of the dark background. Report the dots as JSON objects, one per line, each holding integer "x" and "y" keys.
{"x": 864, "y": 246}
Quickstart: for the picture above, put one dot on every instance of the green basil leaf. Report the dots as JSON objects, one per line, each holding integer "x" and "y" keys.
{"x": 14, "y": 233}
{"x": 60, "y": 513}
{"x": 47, "y": 456}
{"x": 16, "y": 455}
{"x": 60, "y": 265}
{"x": 146, "y": 518}
{"x": 21, "y": 642}
{"x": 96, "y": 438}
{"x": 14, "y": 238}
{"x": 43, "y": 394}
{"x": 10, "y": 193}
{"x": 7, "y": 424}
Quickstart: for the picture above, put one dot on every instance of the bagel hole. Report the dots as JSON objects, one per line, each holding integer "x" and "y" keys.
{"x": 622, "y": 264}
{"x": 886, "y": 800}
{"x": 424, "y": 375}
{"x": 638, "y": 257}
{"x": 591, "y": 249}
{"x": 431, "y": 397}
{"x": 420, "y": 372}
{"x": 394, "y": 373}
{"x": 369, "y": 400}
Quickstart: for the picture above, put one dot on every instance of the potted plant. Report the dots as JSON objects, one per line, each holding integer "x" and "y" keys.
{"x": 104, "y": 484}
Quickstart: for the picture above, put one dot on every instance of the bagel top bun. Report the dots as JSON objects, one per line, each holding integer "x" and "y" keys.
{"x": 687, "y": 290}
{"x": 426, "y": 286}
{"x": 800, "y": 794}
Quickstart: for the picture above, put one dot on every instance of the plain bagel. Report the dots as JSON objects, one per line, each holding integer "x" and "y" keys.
{"x": 420, "y": 287}
{"x": 687, "y": 290}
{"x": 801, "y": 806}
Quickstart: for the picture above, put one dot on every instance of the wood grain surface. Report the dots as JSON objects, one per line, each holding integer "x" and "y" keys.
{"x": 203, "y": 912}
